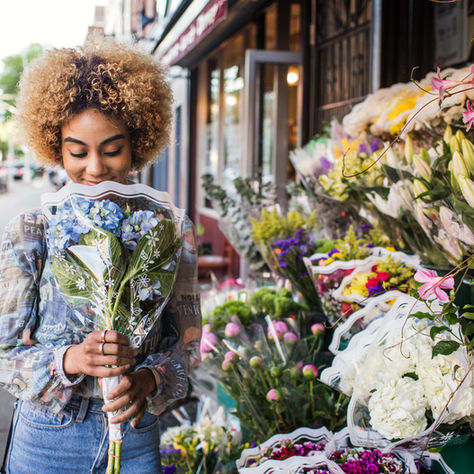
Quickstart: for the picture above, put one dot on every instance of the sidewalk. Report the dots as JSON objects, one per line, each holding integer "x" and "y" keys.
{"x": 6, "y": 410}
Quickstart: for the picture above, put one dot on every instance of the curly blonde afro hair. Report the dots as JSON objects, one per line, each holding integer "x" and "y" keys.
{"x": 113, "y": 78}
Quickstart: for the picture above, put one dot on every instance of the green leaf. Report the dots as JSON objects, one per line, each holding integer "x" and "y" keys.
{"x": 73, "y": 279}
{"x": 468, "y": 315}
{"x": 445, "y": 348}
{"x": 451, "y": 318}
{"x": 411, "y": 375}
{"x": 436, "y": 330}
{"x": 155, "y": 249}
{"x": 422, "y": 315}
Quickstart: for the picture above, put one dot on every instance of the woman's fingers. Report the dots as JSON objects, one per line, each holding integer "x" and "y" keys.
{"x": 130, "y": 396}
{"x": 108, "y": 348}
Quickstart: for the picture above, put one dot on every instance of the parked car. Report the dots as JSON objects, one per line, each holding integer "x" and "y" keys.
{"x": 3, "y": 179}
{"x": 18, "y": 171}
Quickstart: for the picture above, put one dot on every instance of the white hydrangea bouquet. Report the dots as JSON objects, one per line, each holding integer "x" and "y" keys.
{"x": 410, "y": 381}
{"x": 114, "y": 250}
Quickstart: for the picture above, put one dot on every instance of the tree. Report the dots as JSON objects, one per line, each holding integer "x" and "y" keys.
{"x": 9, "y": 80}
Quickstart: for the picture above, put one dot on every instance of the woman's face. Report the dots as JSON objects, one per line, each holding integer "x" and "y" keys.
{"x": 95, "y": 148}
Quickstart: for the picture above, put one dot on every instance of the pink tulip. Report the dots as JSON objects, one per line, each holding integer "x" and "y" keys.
{"x": 232, "y": 330}
{"x": 207, "y": 328}
{"x": 280, "y": 328}
{"x": 290, "y": 337}
{"x": 230, "y": 356}
{"x": 317, "y": 328}
{"x": 310, "y": 371}
{"x": 433, "y": 284}
{"x": 273, "y": 395}
{"x": 208, "y": 342}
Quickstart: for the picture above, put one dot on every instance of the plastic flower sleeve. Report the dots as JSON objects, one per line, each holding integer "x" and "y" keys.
{"x": 375, "y": 308}
{"x": 328, "y": 279}
{"x": 114, "y": 250}
{"x": 402, "y": 396}
{"x": 253, "y": 460}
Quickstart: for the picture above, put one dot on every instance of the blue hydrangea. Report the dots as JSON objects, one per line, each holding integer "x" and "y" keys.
{"x": 138, "y": 224}
{"x": 65, "y": 229}
{"x": 71, "y": 221}
{"x": 104, "y": 214}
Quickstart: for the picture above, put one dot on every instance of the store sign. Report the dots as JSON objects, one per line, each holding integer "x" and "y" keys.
{"x": 211, "y": 15}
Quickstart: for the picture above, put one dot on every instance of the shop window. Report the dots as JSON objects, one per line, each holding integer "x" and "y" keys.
{"x": 224, "y": 109}
{"x": 212, "y": 121}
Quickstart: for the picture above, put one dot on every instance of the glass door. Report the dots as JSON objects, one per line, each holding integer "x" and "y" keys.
{"x": 272, "y": 114}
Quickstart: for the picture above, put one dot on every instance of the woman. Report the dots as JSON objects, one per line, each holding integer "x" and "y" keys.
{"x": 99, "y": 112}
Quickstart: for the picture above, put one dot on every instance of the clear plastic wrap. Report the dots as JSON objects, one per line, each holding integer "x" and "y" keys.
{"x": 114, "y": 250}
{"x": 401, "y": 396}
{"x": 330, "y": 280}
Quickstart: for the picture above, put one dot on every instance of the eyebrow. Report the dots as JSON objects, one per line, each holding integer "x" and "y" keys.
{"x": 107, "y": 140}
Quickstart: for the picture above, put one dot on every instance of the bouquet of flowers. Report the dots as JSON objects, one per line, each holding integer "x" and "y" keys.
{"x": 114, "y": 251}
{"x": 393, "y": 272}
{"x": 319, "y": 451}
{"x": 206, "y": 447}
{"x": 410, "y": 379}
{"x": 328, "y": 268}
{"x": 284, "y": 241}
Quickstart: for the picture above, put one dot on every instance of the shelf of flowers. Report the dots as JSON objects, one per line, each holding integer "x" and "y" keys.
{"x": 356, "y": 355}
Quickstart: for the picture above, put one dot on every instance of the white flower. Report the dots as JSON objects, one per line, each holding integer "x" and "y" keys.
{"x": 397, "y": 408}
{"x": 440, "y": 379}
{"x": 152, "y": 237}
{"x": 81, "y": 283}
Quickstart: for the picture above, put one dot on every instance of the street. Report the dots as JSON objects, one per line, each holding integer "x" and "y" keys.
{"x": 20, "y": 196}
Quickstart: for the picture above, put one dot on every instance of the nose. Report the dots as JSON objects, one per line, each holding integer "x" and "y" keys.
{"x": 95, "y": 164}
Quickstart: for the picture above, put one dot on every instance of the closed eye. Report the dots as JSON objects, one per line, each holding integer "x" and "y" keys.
{"x": 113, "y": 153}
{"x": 78, "y": 155}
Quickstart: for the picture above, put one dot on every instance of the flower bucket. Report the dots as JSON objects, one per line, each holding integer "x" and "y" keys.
{"x": 456, "y": 457}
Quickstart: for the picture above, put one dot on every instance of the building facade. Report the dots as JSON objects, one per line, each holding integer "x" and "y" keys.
{"x": 254, "y": 79}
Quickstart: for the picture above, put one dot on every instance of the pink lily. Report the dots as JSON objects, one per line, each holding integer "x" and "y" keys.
{"x": 468, "y": 116}
{"x": 433, "y": 284}
{"x": 441, "y": 85}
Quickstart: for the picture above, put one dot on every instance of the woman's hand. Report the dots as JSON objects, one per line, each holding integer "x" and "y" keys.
{"x": 131, "y": 392}
{"x": 95, "y": 353}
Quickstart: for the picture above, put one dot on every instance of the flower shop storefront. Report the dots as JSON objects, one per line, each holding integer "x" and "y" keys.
{"x": 348, "y": 346}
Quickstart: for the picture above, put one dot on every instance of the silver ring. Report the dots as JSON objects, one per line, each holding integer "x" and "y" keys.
{"x": 102, "y": 336}
{"x": 101, "y": 348}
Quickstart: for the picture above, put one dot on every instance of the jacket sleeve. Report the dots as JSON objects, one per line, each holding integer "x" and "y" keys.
{"x": 27, "y": 368}
{"x": 181, "y": 331}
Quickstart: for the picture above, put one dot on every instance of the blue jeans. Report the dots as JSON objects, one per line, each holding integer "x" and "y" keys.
{"x": 76, "y": 441}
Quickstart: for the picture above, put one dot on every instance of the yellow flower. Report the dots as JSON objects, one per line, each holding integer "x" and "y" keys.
{"x": 327, "y": 261}
{"x": 390, "y": 249}
{"x": 357, "y": 285}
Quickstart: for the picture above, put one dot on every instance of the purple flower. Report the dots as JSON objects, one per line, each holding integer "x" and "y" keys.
{"x": 363, "y": 148}
{"x": 333, "y": 251}
{"x": 376, "y": 289}
{"x": 169, "y": 469}
{"x": 375, "y": 145}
